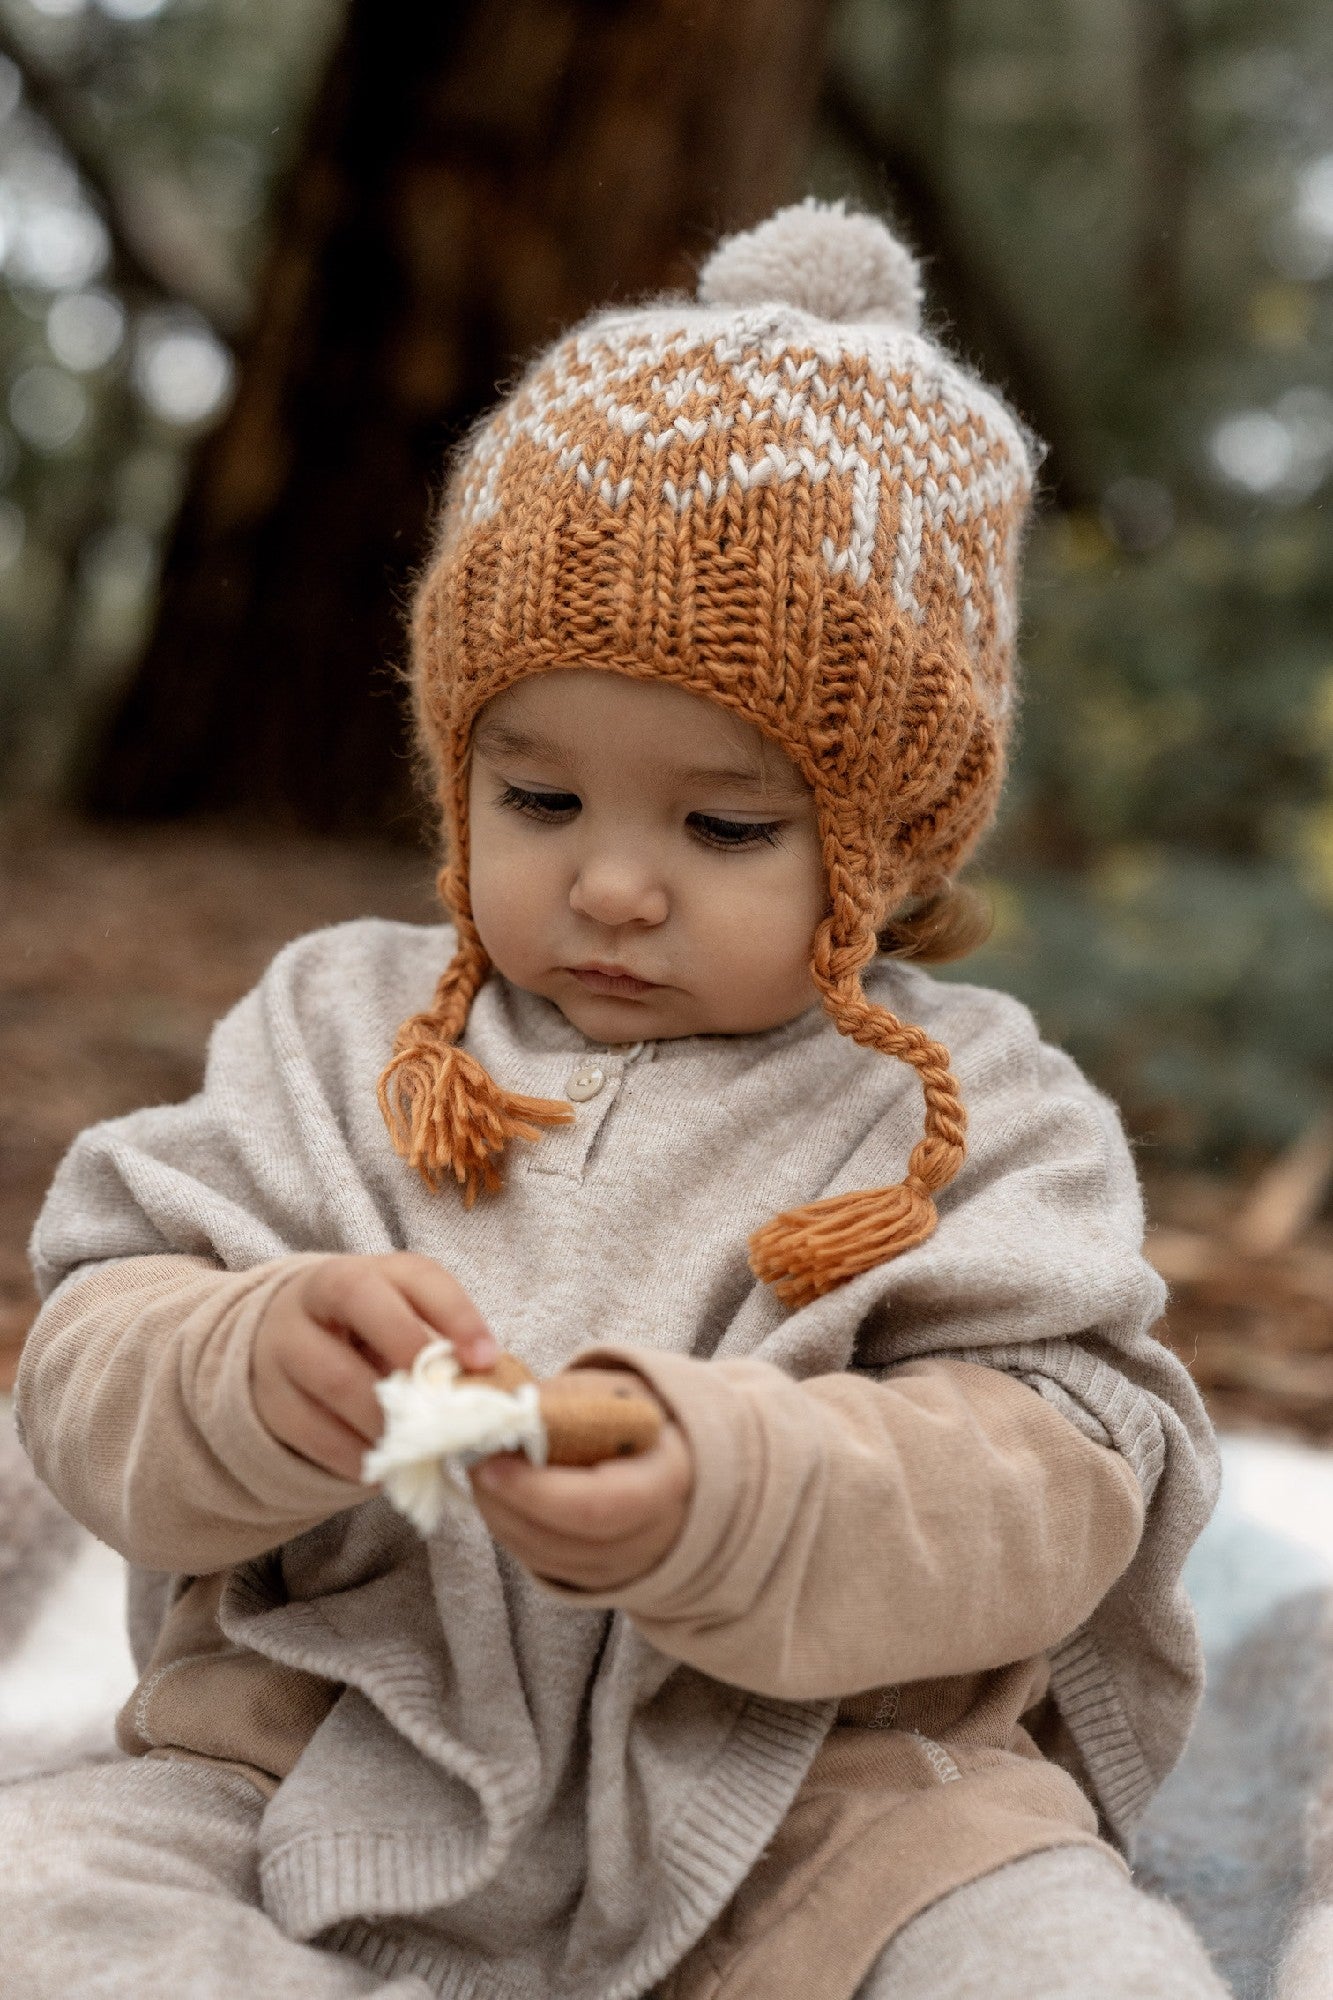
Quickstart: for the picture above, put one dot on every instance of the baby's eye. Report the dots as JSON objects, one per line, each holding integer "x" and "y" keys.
{"x": 545, "y": 806}
{"x": 716, "y": 832}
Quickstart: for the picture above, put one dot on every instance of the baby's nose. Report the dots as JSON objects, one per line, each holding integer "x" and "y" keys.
{"x": 613, "y": 890}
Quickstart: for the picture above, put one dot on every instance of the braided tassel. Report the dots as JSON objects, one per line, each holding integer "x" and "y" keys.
{"x": 805, "y": 1252}
{"x": 446, "y": 1115}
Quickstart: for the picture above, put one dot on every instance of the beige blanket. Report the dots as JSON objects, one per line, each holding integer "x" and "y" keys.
{"x": 1238, "y": 1837}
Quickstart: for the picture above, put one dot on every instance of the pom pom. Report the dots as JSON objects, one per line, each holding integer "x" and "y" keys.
{"x": 447, "y": 1116}
{"x": 817, "y": 256}
{"x": 806, "y": 1252}
{"x": 438, "y": 1422}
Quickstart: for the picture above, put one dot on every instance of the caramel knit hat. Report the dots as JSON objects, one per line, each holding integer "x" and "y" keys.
{"x": 784, "y": 496}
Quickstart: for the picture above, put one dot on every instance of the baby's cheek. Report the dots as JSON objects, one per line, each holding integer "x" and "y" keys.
{"x": 508, "y": 906}
{"x": 759, "y": 965}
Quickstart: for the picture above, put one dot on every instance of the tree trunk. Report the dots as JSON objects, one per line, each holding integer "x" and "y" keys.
{"x": 476, "y": 176}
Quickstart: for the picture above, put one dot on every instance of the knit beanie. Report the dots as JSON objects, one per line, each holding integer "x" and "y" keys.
{"x": 784, "y": 496}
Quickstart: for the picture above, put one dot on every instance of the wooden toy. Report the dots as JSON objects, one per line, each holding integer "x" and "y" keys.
{"x": 439, "y": 1419}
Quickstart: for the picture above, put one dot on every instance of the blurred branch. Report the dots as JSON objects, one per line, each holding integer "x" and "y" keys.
{"x": 1160, "y": 32}
{"x": 961, "y": 285}
{"x": 1289, "y": 1194}
{"x": 137, "y": 251}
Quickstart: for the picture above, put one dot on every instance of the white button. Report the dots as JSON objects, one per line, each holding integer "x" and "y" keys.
{"x": 586, "y": 1081}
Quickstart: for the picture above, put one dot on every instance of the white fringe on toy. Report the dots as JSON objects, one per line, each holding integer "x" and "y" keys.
{"x": 437, "y": 1422}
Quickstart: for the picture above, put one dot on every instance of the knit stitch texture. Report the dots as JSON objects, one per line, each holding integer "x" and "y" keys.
{"x": 812, "y": 521}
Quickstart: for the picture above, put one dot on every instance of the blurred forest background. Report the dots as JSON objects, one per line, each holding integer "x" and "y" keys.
{"x": 260, "y": 265}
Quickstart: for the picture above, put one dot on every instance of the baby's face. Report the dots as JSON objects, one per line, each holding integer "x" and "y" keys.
{"x": 643, "y": 858}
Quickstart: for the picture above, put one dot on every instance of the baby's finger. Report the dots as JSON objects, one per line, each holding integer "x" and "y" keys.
{"x": 445, "y": 1307}
{"x": 562, "y": 1557}
{"x": 324, "y": 1366}
{"x": 377, "y": 1300}
{"x": 587, "y": 1565}
{"x": 306, "y": 1427}
{"x": 598, "y": 1503}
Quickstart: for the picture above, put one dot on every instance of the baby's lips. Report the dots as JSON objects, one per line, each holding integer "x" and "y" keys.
{"x": 585, "y": 1422}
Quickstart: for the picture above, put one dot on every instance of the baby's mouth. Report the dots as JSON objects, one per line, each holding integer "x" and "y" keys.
{"x": 601, "y": 978}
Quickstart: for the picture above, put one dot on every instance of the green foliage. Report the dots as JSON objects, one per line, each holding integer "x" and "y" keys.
{"x": 1144, "y": 189}
{"x": 1137, "y": 199}
{"x": 140, "y": 145}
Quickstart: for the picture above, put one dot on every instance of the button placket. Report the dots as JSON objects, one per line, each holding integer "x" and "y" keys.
{"x": 591, "y": 1084}
{"x": 585, "y": 1082}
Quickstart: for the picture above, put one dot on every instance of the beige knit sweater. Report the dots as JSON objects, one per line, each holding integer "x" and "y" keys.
{"x": 918, "y": 1502}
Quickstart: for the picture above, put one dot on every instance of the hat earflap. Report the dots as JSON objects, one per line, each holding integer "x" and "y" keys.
{"x": 806, "y": 1252}
{"x": 447, "y": 1116}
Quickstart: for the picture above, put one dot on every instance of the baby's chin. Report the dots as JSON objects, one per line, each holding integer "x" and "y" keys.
{"x": 616, "y": 1017}
{"x": 667, "y": 1016}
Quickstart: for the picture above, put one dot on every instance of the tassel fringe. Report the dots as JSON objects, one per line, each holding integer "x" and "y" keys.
{"x": 448, "y": 1117}
{"x": 806, "y": 1252}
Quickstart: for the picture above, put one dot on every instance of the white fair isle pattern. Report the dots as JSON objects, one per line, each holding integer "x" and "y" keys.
{"x": 909, "y": 426}
{"x": 815, "y": 520}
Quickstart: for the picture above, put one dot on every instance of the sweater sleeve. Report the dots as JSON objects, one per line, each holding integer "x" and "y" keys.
{"x": 133, "y": 1401}
{"x": 846, "y": 1533}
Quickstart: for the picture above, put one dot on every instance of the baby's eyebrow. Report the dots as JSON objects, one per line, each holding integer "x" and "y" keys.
{"x": 717, "y": 774}
{"x": 518, "y": 743}
{"x": 498, "y": 736}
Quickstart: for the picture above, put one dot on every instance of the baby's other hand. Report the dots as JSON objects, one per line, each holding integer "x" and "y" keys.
{"x": 332, "y": 1332}
{"x": 597, "y": 1527}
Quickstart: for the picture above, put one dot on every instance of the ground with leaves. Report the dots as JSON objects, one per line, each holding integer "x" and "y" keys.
{"x": 119, "y": 950}
{"x": 117, "y": 954}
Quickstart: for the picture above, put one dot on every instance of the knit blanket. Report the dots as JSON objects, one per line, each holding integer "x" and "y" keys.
{"x": 65, "y": 1664}
{"x": 1234, "y": 1835}
{"x": 1228, "y": 1838}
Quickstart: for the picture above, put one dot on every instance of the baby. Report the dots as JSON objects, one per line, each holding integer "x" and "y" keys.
{"x": 858, "y": 1680}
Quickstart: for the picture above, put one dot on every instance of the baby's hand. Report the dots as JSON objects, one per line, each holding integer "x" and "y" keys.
{"x": 330, "y": 1334}
{"x": 597, "y": 1527}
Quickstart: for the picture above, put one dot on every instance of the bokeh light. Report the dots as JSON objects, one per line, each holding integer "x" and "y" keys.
{"x": 1252, "y": 450}
{"x": 51, "y": 238}
{"x": 1284, "y": 453}
{"x": 1304, "y": 247}
{"x": 56, "y": 247}
{"x": 181, "y": 369}
{"x": 84, "y": 330}
{"x": 47, "y": 408}
{"x": 1307, "y": 411}
{"x": 132, "y": 10}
